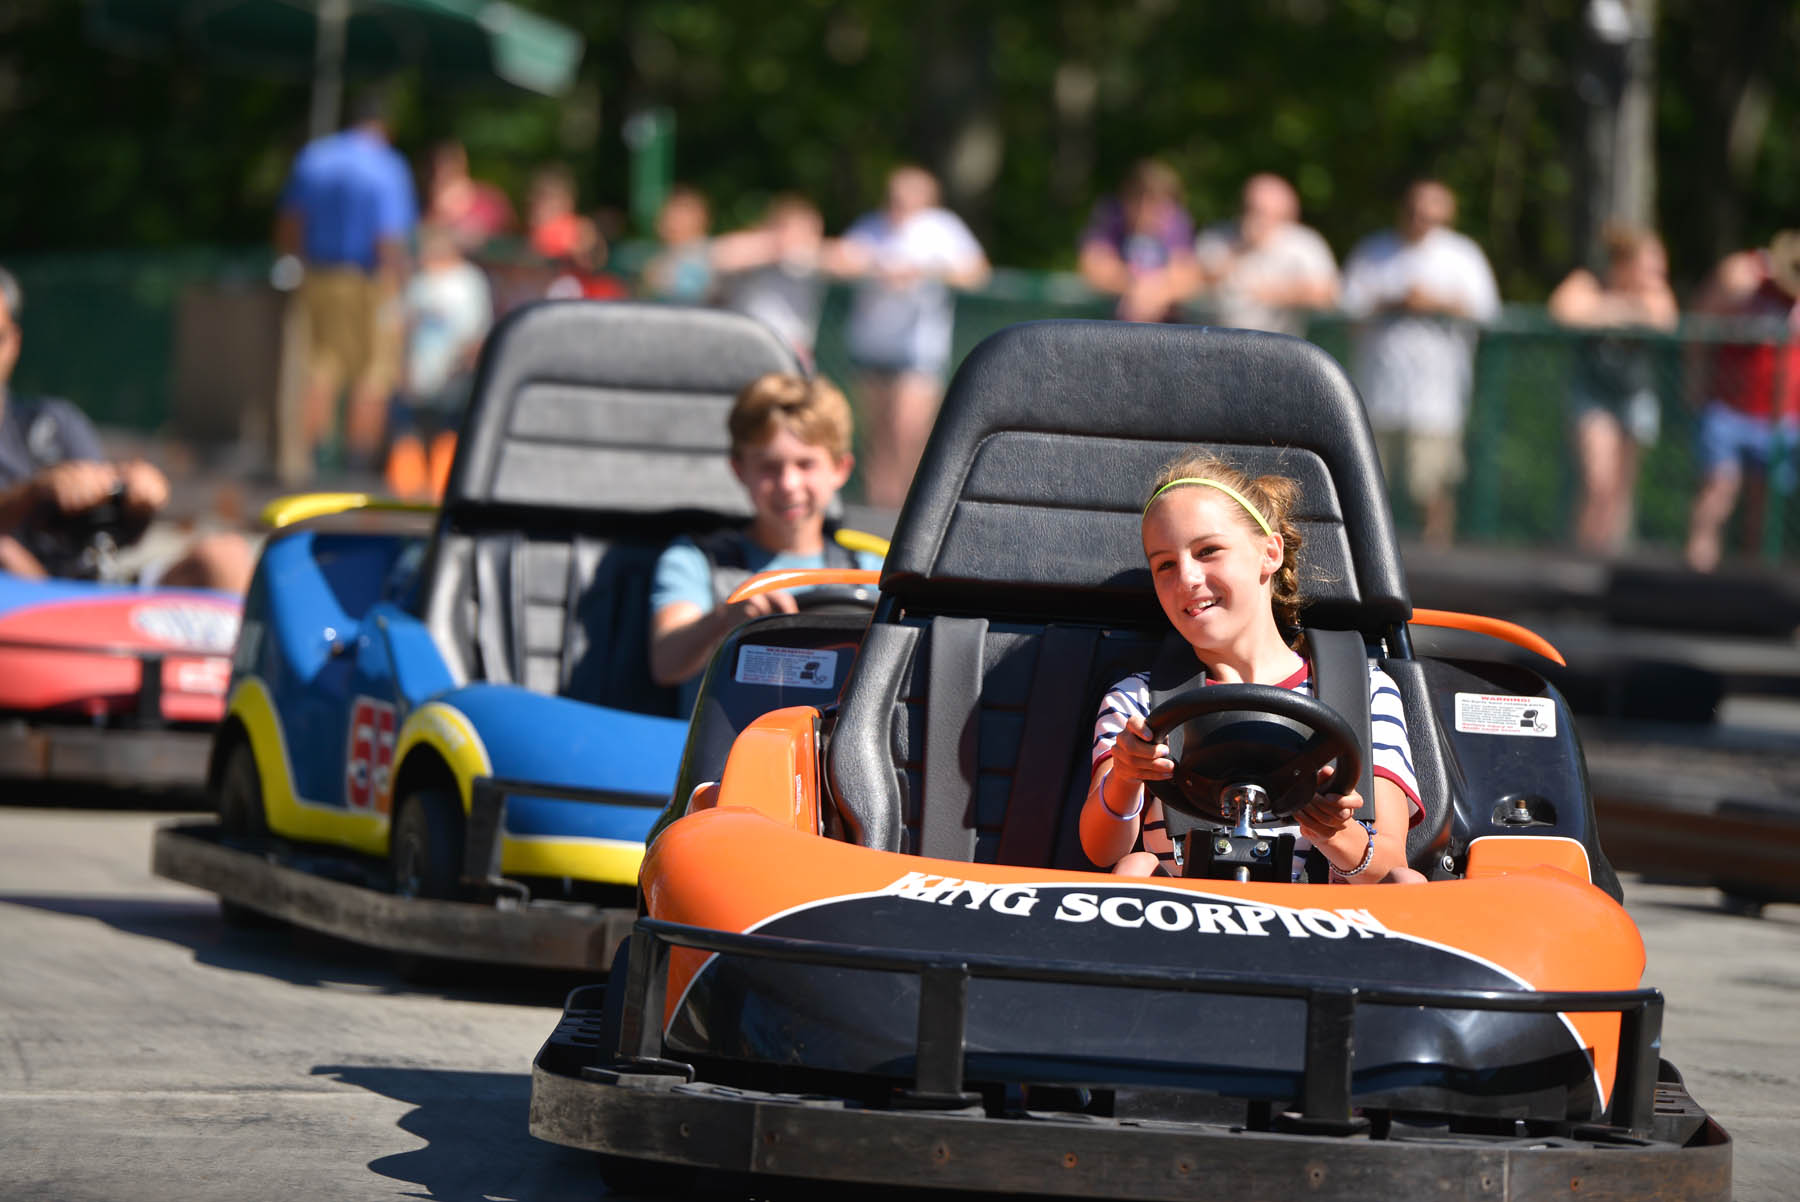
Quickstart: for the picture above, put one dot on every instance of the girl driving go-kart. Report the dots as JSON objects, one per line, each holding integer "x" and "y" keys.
{"x": 1223, "y": 550}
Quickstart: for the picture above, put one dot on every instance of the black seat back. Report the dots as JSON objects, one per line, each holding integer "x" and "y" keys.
{"x": 596, "y": 433}
{"x": 1025, "y": 514}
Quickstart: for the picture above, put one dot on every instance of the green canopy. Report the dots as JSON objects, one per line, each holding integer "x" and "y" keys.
{"x": 330, "y": 38}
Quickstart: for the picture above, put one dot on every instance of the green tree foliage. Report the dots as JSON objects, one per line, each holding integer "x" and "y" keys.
{"x": 1029, "y": 109}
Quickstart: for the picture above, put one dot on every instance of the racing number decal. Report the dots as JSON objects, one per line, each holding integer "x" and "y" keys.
{"x": 369, "y": 765}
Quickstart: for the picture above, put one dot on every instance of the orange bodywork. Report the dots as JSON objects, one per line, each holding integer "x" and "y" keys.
{"x": 1501, "y": 855}
{"x": 732, "y": 868}
{"x": 782, "y": 745}
{"x": 1498, "y": 628}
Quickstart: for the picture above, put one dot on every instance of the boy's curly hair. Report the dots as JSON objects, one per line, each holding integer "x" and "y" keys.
{"x": 811, "y": 407}
{"x": 1274, "y": 497}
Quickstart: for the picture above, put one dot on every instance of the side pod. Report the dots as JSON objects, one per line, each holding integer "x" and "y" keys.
{"x": 774, "y": 770}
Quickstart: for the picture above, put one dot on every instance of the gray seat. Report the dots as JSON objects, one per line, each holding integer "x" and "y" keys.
{"x": 1016, "y": 592}
{"x": 596, "y": 434}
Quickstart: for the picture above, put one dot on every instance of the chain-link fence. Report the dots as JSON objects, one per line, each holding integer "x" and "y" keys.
{"x": 99, "y": 328}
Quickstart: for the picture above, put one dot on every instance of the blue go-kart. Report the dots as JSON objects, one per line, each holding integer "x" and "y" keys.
{"x": 442, "y": 737}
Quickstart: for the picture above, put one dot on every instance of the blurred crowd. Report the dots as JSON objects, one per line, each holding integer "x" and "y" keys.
{"x": 400, "y": 274}
{"x": 1419, "y": 293}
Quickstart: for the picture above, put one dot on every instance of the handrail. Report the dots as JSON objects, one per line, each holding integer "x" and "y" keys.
{"x": 285, "y": 511}
{"x": 1499, "y": 628}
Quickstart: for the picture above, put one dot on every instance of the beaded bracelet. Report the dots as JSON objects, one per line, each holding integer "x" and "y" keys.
{"x": 1368, "y": 854}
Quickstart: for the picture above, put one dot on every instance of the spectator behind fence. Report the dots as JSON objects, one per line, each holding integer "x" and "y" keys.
{"x": 1750, "y": 421}
{"x": 681, "y": 270}
{"x": 472, "y": 211}
{"x": 1266, "y": 271}
{"x": 347, "y": 212}
{"x": 52, "y": 469}
{"x": 1614, "y": 407}
{"x": 1419, "y": 291}
{"x": 1139, "y": 245}
{"x": 772, "y": 272}
{"x": 448, "y": 311}
{"x": 558, "y": 233}
{"x": 907, "y": 255}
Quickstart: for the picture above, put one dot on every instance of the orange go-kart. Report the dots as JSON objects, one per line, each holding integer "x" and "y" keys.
{"x": 872, "y": 951}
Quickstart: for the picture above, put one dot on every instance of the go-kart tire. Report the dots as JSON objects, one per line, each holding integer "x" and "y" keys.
{"x": 242, "y": 816}
{"x": 240, "y": 799}
{"x": 426, "y": 854}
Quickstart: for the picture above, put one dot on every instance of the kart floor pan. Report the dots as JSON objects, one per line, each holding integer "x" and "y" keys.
{"x": 545, "y": 935}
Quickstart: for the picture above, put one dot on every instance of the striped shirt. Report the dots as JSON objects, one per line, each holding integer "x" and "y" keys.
{"x": 1387, "y": 735}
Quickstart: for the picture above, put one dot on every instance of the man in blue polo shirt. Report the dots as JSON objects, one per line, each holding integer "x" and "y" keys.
{"x": 347, "y": 212}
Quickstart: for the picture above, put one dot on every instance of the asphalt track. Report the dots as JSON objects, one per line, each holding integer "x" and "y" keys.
{"x": 148, "y": 1053}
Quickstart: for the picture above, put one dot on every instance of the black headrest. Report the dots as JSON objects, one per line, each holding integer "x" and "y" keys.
{"x": 609, "y": 406}
{"x": 1029, "y": 494}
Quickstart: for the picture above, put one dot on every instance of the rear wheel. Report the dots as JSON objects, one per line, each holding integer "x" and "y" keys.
{"x": 426, "y": 853}
{"x": 242, "y": 817}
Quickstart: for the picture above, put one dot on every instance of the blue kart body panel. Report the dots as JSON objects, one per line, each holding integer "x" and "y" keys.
{"x": 348, "y": 705}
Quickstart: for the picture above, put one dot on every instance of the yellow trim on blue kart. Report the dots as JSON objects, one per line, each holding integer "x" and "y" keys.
{"x": 285, "y": 511}
{"x": 447, "y": 732}
{"x": 288, "y": 813}
{"x": 606, "y": 861}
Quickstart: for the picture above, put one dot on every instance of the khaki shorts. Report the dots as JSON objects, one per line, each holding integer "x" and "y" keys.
{"x": 350, "y": 340}
{"x": 1433, "y": 463}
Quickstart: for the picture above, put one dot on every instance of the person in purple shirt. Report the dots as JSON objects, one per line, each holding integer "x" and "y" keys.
{"x": 1139, "y": 245}
{"x": 346, "y": 214}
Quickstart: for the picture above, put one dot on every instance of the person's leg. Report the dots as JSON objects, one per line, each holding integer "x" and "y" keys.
{"x": 1712, "y": 505}
{"x": 1756, "y": 500}
{"x": 324, "y": 367}
{"x": 217, "y": 561}
{"x": 916, "y": 399}
{"x": 1600, "y": 447}
{"x": 882, "y": 486}
{"x": 372, "y": 391}
{"x": 1390, "y": 446}
{"x": 1434, "y": 469}
{"x": 1718, "y": 450}
{"x": 1631, "y": 456}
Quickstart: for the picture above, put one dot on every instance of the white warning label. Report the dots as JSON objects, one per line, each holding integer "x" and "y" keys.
{"x": 792, "y": 667}
{"x": 1495, "y": 714}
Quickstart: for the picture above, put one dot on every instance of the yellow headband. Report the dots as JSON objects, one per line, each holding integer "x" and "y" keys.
{"x": 1229, "y": 491}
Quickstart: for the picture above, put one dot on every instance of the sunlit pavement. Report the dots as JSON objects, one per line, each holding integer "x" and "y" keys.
{"x": 148, "y": 1052}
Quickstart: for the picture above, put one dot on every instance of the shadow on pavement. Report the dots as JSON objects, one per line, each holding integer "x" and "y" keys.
{"x": 297, "y": 956}
{"x": 477, "y": 1147}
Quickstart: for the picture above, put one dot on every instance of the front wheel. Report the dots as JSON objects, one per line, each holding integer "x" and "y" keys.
{"x": 426, "y": 853}
{"x": 427, "y": 846}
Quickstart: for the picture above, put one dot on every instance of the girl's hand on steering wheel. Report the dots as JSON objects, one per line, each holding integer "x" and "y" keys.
{"x": 1138, "y": 757}
{"x": 1328, "y": 815}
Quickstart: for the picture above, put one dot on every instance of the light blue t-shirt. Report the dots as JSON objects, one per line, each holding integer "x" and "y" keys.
{"x": 683, "y": 573}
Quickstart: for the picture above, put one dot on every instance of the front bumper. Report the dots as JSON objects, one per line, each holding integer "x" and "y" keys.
{"x": 285, "y": 883}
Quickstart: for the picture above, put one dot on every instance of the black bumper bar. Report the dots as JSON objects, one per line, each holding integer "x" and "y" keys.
{"x": 1325, "y": 1102}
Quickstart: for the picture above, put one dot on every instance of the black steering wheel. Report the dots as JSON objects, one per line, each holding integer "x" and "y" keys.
{"x": 93, "y": 534}
{"x": 1254, "y": 734}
